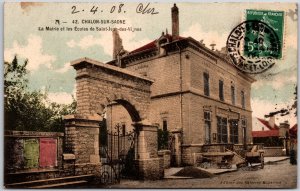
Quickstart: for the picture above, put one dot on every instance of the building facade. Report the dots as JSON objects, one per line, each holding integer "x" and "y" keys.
{"x": 197, "y": 94}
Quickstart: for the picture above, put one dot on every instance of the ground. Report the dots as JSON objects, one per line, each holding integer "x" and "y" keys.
{"x": 276, "y": 175}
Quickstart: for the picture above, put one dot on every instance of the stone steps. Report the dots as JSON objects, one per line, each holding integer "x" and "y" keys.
{"x": 53, "y": 182}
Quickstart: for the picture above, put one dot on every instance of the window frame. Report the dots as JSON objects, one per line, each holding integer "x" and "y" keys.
{"x": 234, "y": 131}
{"x": 165, "y": 125}
{"x": 222, "y": 134}
{"x": 221, "y": 90}
{"x": 207, "y": 121}
{"x": 206, "y": 87}
{"x": 232, "y": 90}
{"x": 244, "y": 129}
{"x": 243, "y": 99}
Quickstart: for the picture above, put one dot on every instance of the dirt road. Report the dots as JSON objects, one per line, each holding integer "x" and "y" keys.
{"x": 278, "y": 175}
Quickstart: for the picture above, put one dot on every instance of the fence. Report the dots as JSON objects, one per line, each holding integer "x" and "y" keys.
{"x": 274, "y": 151}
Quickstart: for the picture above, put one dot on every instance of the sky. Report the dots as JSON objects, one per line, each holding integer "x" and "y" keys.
{"x": 50, "y": 52}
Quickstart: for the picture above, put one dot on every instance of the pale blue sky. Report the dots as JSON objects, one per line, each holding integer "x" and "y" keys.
{"x": 49, "y": 53}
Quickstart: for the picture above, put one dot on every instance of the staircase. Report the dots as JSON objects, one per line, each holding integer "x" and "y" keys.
{"x": 64, "y": 182}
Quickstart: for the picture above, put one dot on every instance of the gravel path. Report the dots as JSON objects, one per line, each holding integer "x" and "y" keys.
{"x": 279, "y": 175}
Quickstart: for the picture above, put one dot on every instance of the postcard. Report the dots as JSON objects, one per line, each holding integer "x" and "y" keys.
{"x": 150, "y": 95}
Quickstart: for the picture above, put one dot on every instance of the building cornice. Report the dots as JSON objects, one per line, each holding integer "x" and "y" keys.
{"x": 81, "y": 62}
{"x": 195, "y": 92}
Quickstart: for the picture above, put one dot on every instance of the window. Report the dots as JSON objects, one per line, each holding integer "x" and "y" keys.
{"x": 221, "y": 90}
{"x": 244, "y": 127}
{"x": 163, "y": 136}
{"x": 207, "y": 126}
{"x": 234, "y": 131}
{"x": 165, "y": 125}
{"x": 222, "y": 130}
{"x": 243, "y": 99}
{"x": 232, "y": 95}
{"x": 206, "y": 83}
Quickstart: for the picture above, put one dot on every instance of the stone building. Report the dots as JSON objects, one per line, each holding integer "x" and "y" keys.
{"x": 197, "y": 94}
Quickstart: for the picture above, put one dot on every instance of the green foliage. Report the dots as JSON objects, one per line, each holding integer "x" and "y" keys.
{"x": 29, "y": 111}
{"x": 162, "y": 139}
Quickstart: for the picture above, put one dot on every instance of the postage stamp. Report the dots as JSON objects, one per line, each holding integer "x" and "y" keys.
{"x": 275, "y": 21}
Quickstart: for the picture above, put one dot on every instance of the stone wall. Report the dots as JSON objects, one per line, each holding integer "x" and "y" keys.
{"x": 218, "y": 70}
{"x": 15, "y": 168}
{"x": 188, "y": 154}
{"x": 165, "y": 70}
{"x": 166, "y": 156}
{"x": 82, "y": 140}
{"x": 150, "y": 169}
{"x": 274, "y": 151}
{"x": 148, "y": 164}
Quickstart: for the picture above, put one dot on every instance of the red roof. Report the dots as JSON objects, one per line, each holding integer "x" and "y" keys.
{"x": 152, "y": 44}
{"x": 145, "y": 47}
{"x": 271, "y": 133}
{"x": 266, "y": 123}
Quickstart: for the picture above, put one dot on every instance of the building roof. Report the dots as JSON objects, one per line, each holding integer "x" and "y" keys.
{"x": 266, "y": 123}
{"x": 271, "y": 133}
{"x": 130, "y": 56}
{"x": 152, "y": 44}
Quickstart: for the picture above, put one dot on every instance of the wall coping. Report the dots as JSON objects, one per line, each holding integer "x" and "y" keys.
{"x": 279, "y": 147}
{"x": 32, "y": 134}
{"x": 109, "y": 67}
{"x": 163, "y": 152}
{"x": 94, "y": 117}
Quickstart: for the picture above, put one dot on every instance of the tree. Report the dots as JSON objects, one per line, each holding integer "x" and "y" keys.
{"x": 29, "y": 110}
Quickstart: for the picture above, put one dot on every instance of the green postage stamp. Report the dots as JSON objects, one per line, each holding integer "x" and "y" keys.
{"x": 275, "y": 20}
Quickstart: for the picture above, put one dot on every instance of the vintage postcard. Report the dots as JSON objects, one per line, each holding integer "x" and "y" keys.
{"x": 150, "y": 95}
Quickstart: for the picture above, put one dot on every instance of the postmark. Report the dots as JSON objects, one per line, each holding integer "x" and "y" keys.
{"x": 253, "y": 46}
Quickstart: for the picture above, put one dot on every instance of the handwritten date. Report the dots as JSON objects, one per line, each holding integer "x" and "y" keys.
{"x": 140, "y": 9}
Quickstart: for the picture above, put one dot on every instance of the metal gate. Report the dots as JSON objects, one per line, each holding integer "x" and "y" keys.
{"x": 117, "y": 155}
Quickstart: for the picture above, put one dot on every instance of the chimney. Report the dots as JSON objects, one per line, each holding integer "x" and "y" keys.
{"x": 272, "y": 121}
{"x": 175, "y": 21}
{"x": 212, "y": 46}
{"x": 117, "y": 43}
